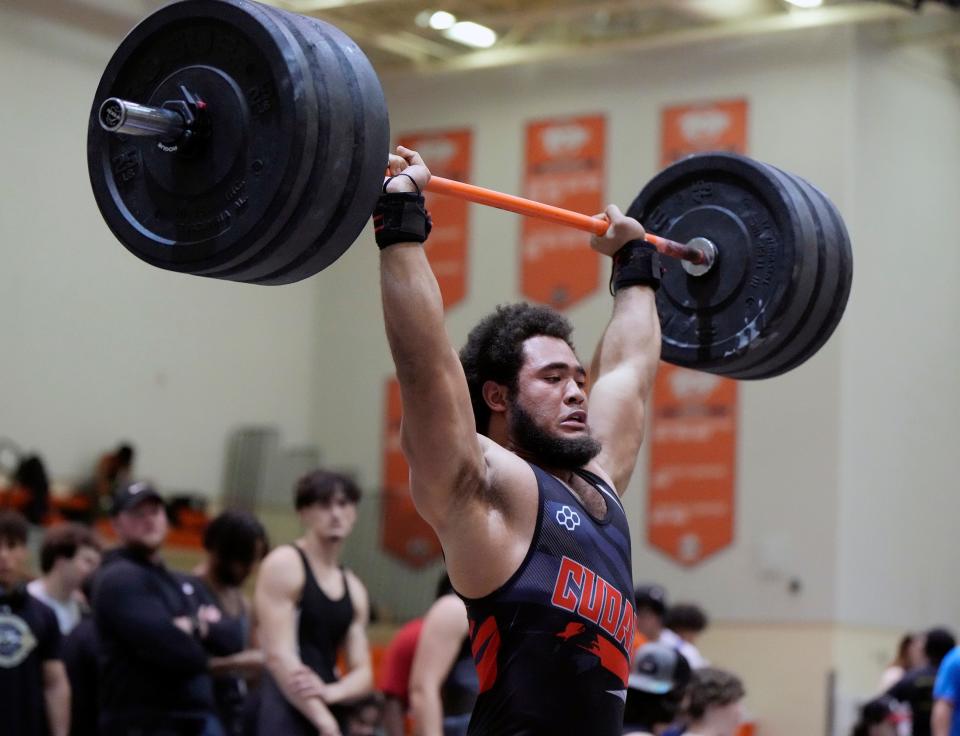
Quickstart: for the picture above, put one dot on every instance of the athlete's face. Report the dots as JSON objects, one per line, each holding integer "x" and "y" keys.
{"x": 13, "y": 558}
{"x": 145, "y": 525}
{"x": 548, "y": 415}
{"x": 330, "y": 520}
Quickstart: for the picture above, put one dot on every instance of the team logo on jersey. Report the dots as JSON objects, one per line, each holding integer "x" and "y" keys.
{"x": 16, "y": 640}
{"x": 568, "y": 518}
{"x": 579, "y": 589}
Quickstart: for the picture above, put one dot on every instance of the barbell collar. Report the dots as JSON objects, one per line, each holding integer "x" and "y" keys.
{"x": 131, "y": 118}
{"x": 709, "y": 251}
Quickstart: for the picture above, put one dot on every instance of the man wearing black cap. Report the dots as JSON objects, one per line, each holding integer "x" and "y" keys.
{"x": 650, "y": 607}
{"x": 655, "y": 689}
{"x": 154, "y": 670}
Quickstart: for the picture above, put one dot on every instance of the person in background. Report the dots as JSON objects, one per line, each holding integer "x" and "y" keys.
{"x": 31, "y": 489}
{"x": 81, "y": 653}
{"x": 443, "y": 681}
{"x": 34, "y": 690}
{"x": 308, "y": 608}
{"x": 713, "y": 705}
{"x": 916, "y": 687}
{"x": 945, "y": 720}
{"x": 394, "y": 681}
{"x": 683, "y": 624}
{"x": 655, "y": 689}
{"x": 154, "y": 669}
{"x": 876, "y": 718}
{"x": 650, "y": 609}
{"x": 235, "y": 542}
{"x": 70, "y": 553}
{"x": 114, "y": 470}
{"x": 909, "y": 655}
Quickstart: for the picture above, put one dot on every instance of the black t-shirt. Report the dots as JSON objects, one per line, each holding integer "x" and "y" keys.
{"x": 916, "y": 689}
{"x": 29, "y": 637}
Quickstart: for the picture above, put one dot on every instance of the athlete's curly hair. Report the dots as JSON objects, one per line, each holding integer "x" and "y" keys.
{"x": 712, "y": 687}
{"x": 494, "y": 349}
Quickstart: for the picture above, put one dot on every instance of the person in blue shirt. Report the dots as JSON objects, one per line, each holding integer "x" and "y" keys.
{"x": 946, "y": 692}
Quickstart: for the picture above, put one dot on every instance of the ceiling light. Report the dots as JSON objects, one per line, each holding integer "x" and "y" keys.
{"x": 472, "y": 34}
{"x": 442, "y": 20}
{"x": 806, "y": 3}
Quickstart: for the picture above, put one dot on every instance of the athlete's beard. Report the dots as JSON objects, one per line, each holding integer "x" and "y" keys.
{"x": 564, "y": 453}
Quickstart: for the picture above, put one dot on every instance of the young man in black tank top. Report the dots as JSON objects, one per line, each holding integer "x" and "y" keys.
{"x": 309, "y": 608}
{"x": 522, "y": 485}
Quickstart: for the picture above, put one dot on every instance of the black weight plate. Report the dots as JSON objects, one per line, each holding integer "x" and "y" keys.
{"x": 828, "y": 277}
{"x": 800, "y": 299}
{"x": 721, "y": 320}
{"x": 223, "y": 205}
{"x": 348, "y": 171}
{"x": 839, "y": 241}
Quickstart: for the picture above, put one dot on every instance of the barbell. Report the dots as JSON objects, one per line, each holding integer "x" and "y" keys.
{"x": 238, "y": 141}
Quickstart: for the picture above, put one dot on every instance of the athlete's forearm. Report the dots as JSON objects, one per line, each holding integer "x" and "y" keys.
{"x": 412, "y": 311}
{"x": 632, "y": 336}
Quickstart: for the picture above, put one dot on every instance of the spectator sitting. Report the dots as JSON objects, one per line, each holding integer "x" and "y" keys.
{"x": 656, "y": 686}
{"x": 714, "y": 703}
{"x": 877, "y": 718}
{"x": 70, "y": 553}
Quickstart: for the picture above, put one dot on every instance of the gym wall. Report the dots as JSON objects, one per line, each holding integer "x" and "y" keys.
{"x": 97, "y": 347}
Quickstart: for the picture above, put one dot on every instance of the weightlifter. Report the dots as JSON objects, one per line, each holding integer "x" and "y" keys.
{"x": 522, "y": 482}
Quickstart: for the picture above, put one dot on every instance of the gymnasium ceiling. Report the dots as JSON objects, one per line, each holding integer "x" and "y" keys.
{"x": 396, "y": 36}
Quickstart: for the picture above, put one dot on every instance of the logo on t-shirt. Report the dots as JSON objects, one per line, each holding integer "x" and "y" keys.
{"x": 16, "y": 640}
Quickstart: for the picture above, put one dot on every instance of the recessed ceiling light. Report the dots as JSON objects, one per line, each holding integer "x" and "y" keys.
{"x": 806, "y": 3}
{"x": 442, "y": 20}
{"x": 472, "y": 34}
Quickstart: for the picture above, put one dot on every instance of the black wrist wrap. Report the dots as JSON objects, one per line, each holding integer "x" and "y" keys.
{"x": 636, "y": 263}
{"x": 400, "y": 217}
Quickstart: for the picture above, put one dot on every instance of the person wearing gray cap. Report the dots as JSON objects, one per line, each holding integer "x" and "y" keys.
{"x": 154, "y": 670}
{"x": 655, "y": 689}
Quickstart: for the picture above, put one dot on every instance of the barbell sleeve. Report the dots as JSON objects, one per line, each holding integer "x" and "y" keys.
{"x": 131, "y": 118}
{"x": 558, "y": 215}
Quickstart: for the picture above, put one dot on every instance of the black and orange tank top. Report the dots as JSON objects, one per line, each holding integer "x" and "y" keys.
{"x": 552, "y": 644}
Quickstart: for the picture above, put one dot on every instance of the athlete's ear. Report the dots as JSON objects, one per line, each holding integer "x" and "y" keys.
{"x": 495, "y": 394}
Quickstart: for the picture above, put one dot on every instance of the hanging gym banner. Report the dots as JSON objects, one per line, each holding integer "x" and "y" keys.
{"x": 565, "y": 167}
{"x": 448, "y": 153}
{"x": 691, "y": 490}
{"x": 403, "y": 533}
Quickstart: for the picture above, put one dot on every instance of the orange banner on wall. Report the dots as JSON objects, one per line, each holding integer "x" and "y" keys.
{"x": 448, "y": 153}
{"x": 704, "y": 126}
{"x": 690, "y": 498}
{"x": 403, "y": 533}
{"x": 691, "y": 501}
{"x": 565, "y": 167}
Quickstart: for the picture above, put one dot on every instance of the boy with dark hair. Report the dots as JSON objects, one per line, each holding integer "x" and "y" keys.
{"x": 309, "y": 607}
{"x": 34, "y": 691}
{"x": 70, "y": 553}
